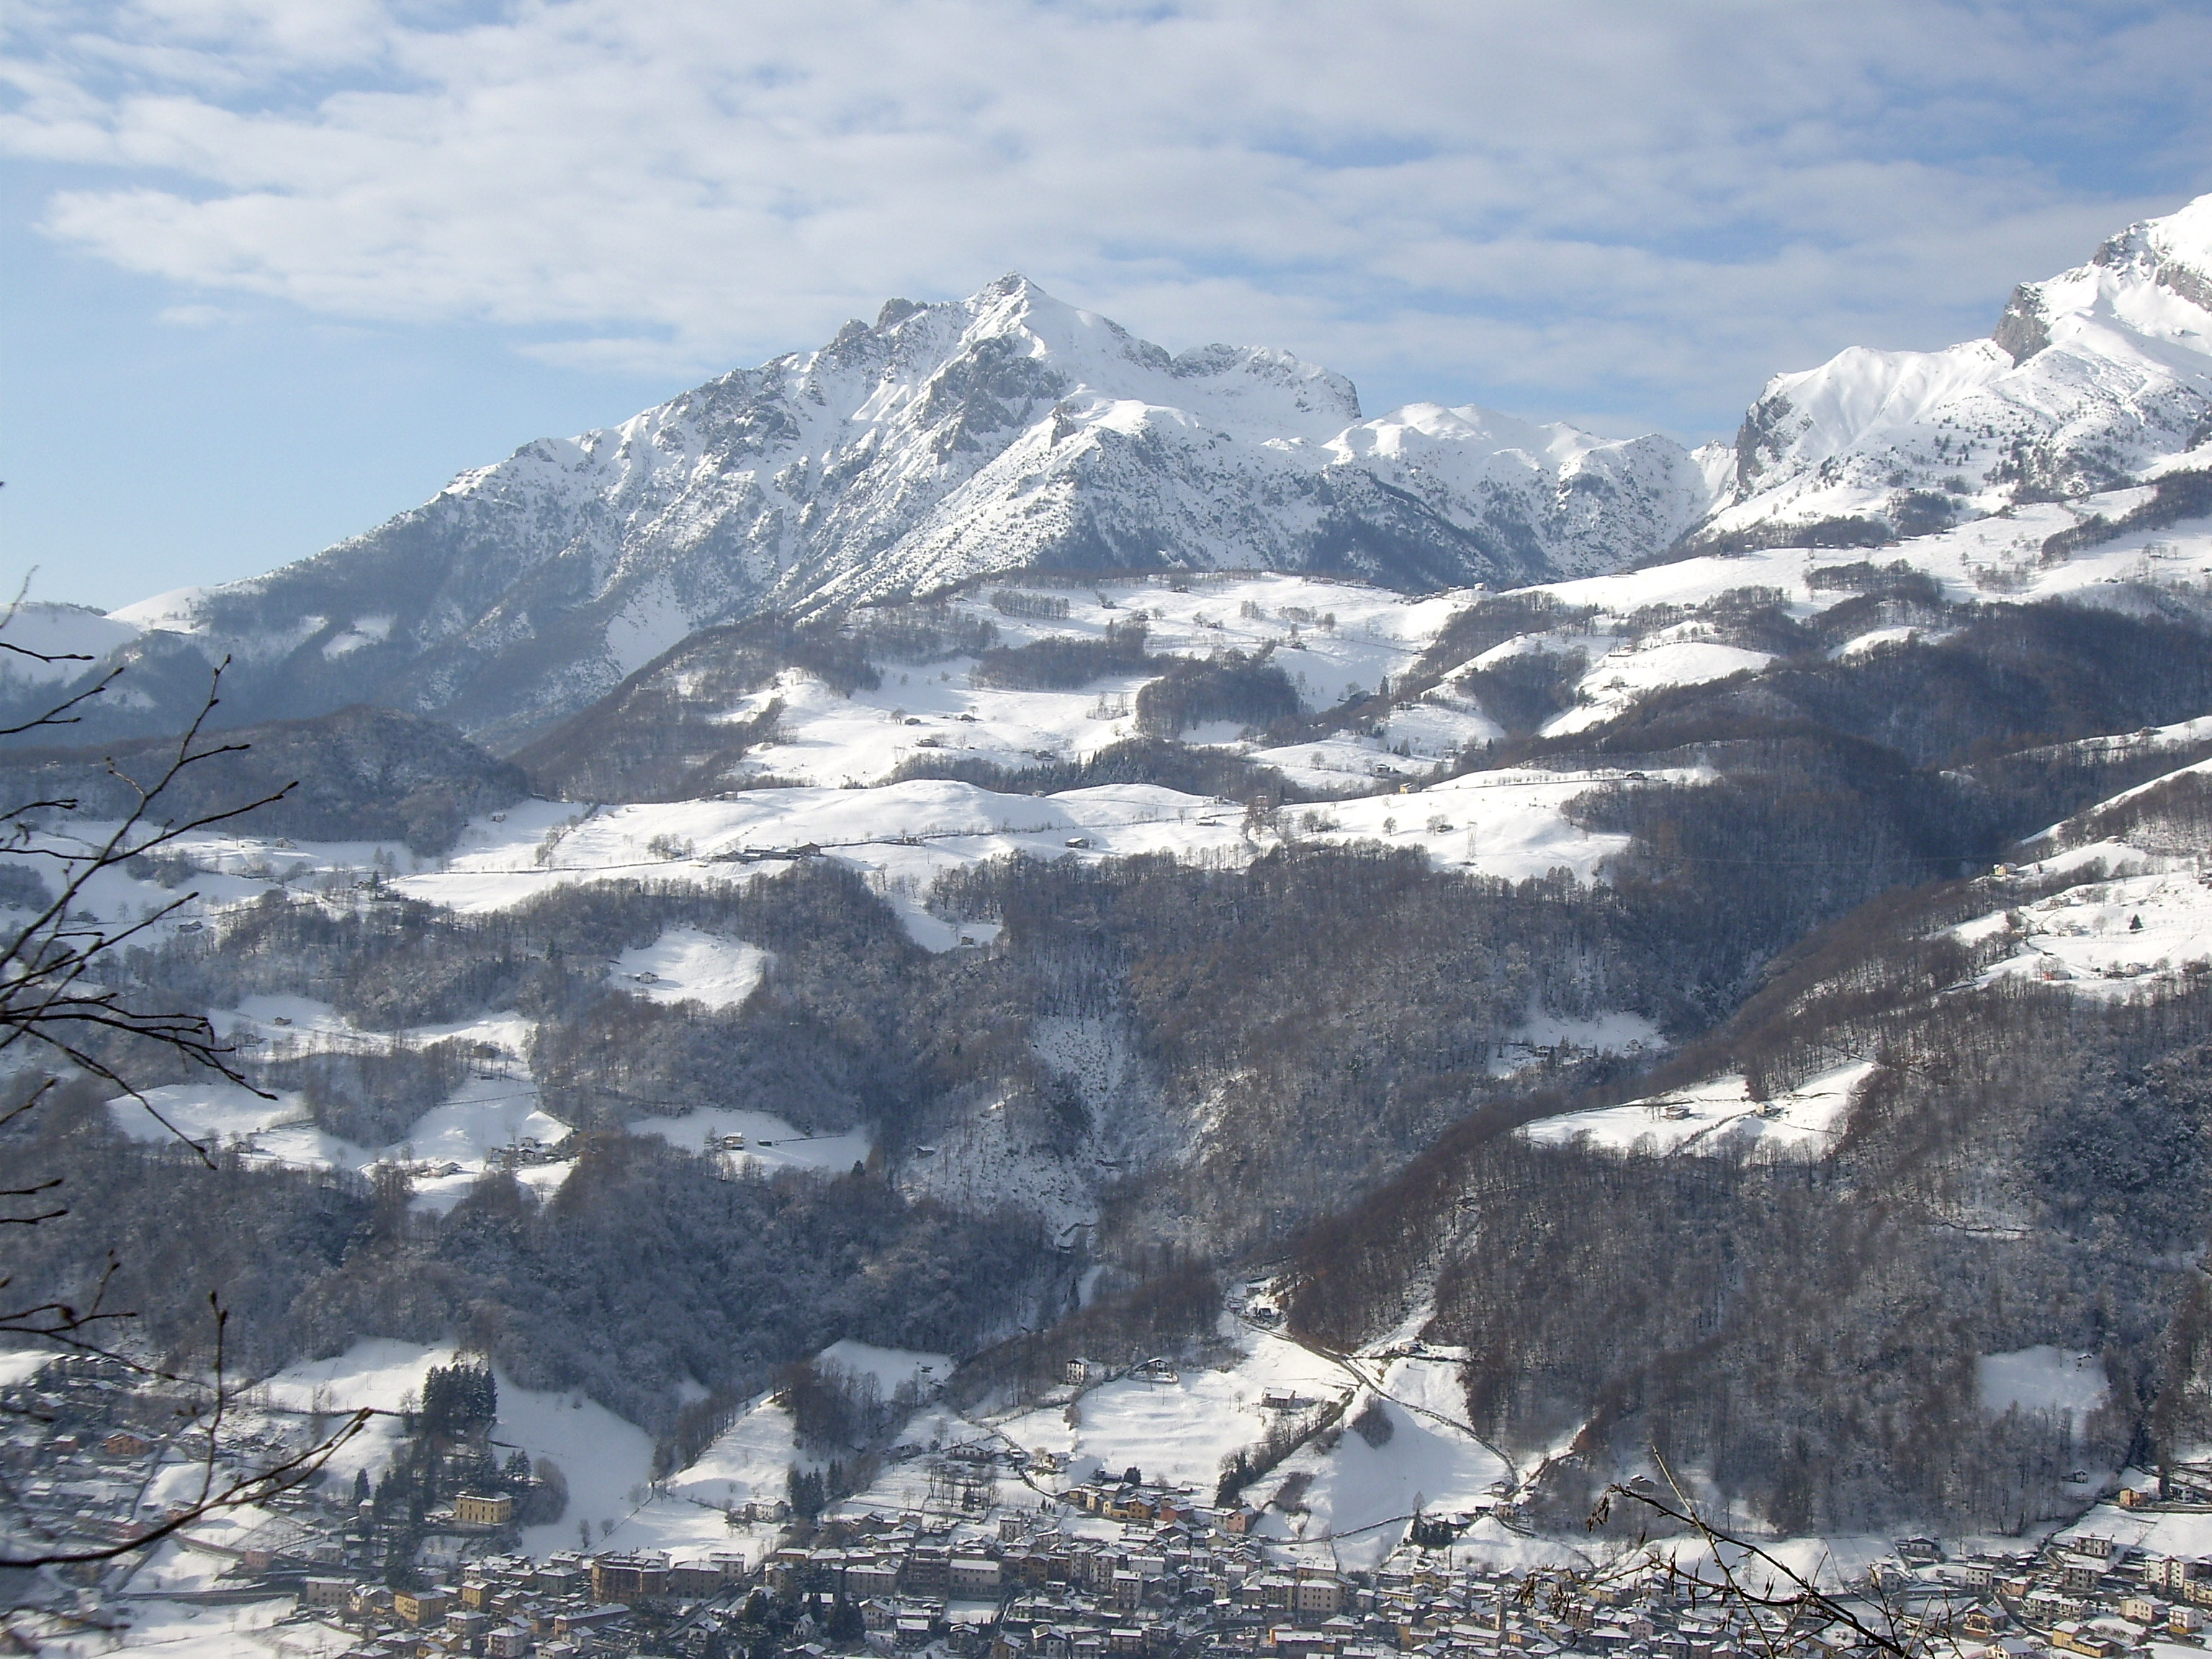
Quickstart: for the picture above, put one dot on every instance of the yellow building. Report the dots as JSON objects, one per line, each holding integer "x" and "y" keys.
{"x": 475, "y": 1510}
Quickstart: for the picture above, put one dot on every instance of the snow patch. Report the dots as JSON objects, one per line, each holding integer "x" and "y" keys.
{"x": 19, "y": 1365}
{"x": 892, "y": 1368}
{"x": 2137, "y": 930}
{"x": 769, "y": 1142}
{"x": 748, "y": 1462}
{"x": 604, "y": 1457}
{"x": 686, "y": 965}
{"x": 63, "y": 631}
{"x": 2042, "y": 1379}
{"x": 1180, "y": 1432}
{"x": 1617, "y": 680}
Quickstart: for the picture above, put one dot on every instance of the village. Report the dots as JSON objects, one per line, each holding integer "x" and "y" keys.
{"x": 1005, "y": 1555}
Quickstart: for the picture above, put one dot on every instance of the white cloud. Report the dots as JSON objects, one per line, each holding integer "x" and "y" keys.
{"x": 1610, "y": 203}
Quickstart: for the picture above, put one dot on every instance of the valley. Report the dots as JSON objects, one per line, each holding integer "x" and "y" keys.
{"x": 988, "y": 952}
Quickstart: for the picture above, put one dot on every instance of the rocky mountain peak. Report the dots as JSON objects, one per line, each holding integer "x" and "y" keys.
{"x": 2174, "y": 252}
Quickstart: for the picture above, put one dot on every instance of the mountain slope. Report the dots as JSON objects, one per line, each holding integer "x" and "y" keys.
{"x": 1960, "y": 1127}
{"x": 947, "y": 440}
{"x": 1062, "y": 1020}
{"x": 1008, "y": 430}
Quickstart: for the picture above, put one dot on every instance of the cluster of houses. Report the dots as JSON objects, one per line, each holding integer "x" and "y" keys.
{"x": 1052, "y": 1583}
{"x": 507, "y": 1607}
{"x": 1010, "y": 1585}
{"x": 2084, "y": 1595}
{"x": 1098, "y": 1569}
{"x": 79, "y": 1438}
{"x": 87, "y": 1451}
{"x": 527, "y": 1152}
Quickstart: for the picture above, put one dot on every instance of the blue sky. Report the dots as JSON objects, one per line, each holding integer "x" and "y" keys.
{"x": 276, "y": 269}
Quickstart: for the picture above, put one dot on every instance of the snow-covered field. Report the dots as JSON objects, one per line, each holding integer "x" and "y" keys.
{"x": 2135, "y": 918}
{"x": 449, "y": 1146}
{"x": 2138, "y": 930}
{"x": 1370, "y": 635}
{"x": 902, "y": 838}
{"x": 1618, "y": 676}
{"x": 182, "y": 1630}
{"x": 1716, "y": 1119}
{"x": 769, "y": 1142}
{"x": 1354, "y": 1493}
{"x": 1988, "y": 560}
{"x": 695, "y": 1511}
{"x": 1423, "y": 1458}
{"x": 748, "y": 1462}
{"x": 2042, "y": 1379}
{"x": 218, "y": 1113}
{"x": 604, "y": 1459}
{"x": 893, "y": 1368}
{"x": 903, "y": 835}
{"x": 1178, "y": 1431}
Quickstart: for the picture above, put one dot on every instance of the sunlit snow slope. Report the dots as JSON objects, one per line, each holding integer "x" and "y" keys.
{"x": 2093, "y": 377}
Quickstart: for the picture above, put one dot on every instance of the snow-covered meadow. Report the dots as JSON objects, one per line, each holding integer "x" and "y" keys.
{"x": 1716, "y": 1119}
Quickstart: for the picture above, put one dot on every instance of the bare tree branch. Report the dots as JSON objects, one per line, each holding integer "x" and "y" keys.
{"x": 53, "y": 995}
{"x": 1783, "y": 1590}
{"x": 46, "y": 995}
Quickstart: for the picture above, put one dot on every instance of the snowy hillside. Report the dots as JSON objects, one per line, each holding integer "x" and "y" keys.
{"x": 1377, "y": 691}
{"x": 2114, "y": 905}
{"x": 841, "y": 775}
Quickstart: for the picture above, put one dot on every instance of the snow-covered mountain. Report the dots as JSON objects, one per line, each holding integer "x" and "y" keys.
{"x": 947, "y": 440}
{"x": 2091, "y": 379}
{"x": 1006, "y": 431}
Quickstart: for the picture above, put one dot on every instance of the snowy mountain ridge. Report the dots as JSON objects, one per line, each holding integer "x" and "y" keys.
{"x": 943, "y": 442}
{"x": 952, "y": 442}
{"x": 2091, "y": 378}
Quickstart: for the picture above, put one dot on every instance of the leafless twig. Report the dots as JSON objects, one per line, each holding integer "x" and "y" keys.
{"x": 1783, "y": 1590}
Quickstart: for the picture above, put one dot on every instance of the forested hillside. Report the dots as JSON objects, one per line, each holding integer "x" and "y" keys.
{"x": 1205, "y": 1055}
{"x": 1070, "y": 862}
{"x": 2022, "y": 1163}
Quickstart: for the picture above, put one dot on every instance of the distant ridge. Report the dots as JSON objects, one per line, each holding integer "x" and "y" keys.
{"x": 950, "y": 441}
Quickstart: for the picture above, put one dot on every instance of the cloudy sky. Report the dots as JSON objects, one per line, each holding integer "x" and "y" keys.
{"x": 279, "y": 268}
